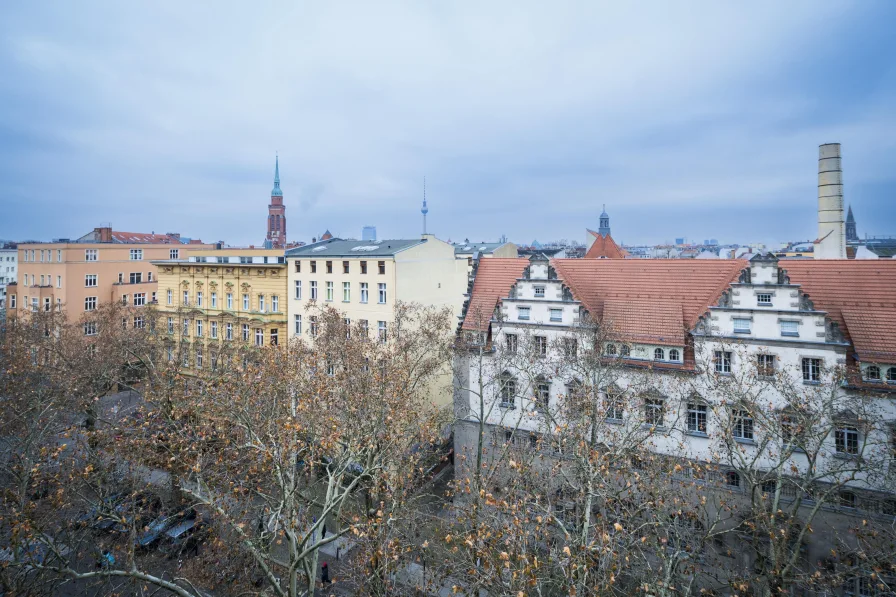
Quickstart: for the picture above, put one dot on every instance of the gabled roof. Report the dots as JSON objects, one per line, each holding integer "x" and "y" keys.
{"x": 494, "y": 278}
{"x": 858, "y": 295}
{"x": 336, "y": 247}
{"x": 604, "y": 247}
{"x": 147, "y": 238}
{"x": 654, "y": 300}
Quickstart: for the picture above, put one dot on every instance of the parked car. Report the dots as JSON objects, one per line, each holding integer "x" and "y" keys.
{"x": 184, "y": 537}
{"x": 141, "y": 508}
{"x": 157, "y": 528}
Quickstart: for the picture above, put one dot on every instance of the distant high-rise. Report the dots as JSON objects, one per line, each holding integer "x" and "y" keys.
{"x": 679, "y": 241}
{"x": 276, "y": 238}
{"x": 368, "y": 233}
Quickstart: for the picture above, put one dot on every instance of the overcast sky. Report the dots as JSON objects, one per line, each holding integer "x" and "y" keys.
{"x": 694, "y": 119}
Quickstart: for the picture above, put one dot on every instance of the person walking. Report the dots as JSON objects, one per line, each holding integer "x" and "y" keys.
{"x": 324, "y": 574}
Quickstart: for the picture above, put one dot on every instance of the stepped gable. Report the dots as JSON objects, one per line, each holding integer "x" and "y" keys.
{"x": 859, "y": 296}
{"x": 649, "y": 300}
{"x": 494, "y": 278}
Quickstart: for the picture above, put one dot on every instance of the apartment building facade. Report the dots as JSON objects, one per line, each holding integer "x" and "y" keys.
{"x": 687, "y": 328}
{"x": 9, "y": 258}
{"x": 214, "y": 299}
{"x": 103, "y": 265}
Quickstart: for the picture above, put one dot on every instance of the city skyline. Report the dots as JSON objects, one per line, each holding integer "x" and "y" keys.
{"x": 697, "y": 123}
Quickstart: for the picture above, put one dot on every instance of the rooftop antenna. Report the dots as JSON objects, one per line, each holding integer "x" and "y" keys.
{"x": 424, "y": 210}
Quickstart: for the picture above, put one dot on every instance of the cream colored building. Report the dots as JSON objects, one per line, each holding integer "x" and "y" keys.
{"x": 212, "y": 300}
{"x": 364, "y": 279}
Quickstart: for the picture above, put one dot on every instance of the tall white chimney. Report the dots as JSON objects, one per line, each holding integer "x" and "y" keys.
{"x": 831, "y": 243}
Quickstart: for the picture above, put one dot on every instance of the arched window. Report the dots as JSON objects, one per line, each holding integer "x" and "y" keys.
{"x": 891, "y": 374}
{"x": 508, "y": 391}
{"x": 673, "y": 354}
{"x": 610, "y": 350}
{"x": 732, "y": 479}
{"x": 625, "y": 351}
{"x": 872, "y": 373}
{"x": 542, "y": 393}
{"x": 659, "y": 354}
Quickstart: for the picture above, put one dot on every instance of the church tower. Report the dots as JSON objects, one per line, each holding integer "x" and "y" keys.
{"x": 851, "y": 233}
{"x": 604, "y": 229}
{"x": 276, "y": 238}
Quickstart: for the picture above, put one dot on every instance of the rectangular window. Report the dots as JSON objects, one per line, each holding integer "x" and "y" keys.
{"x": 764, "y": 299}
{"x": 511, "y": 342}
{"x": 185, "y": 327}
{"x": 58, "y": 281}
{"x": 245, "y": 332}
{"x": 274, "y": 337}
{"x": 298, "y": 325}
{"x": 41, "y": 279}
{"x": 508, "y": 392}
{"x": 214, "y": 356}
{"x": 90, "y": 280}
{"x": 654, "y": 411}
{"x": 136, "y": 254}
{"x": 149, "y": 276}
{"x": 228, "y": 331}
{"x": 722, "y": 361}
{"x": 136, "y": 277}
{"x": 329, "y": 267}
{"x": 139, "y": 322}
{"x": 765, "y": 365}
{"x": 12, "y": 301}
{"x": 90, "y": 328}
{"x": 522, "y": 313}
{"x": 59, "y": 255}
{"x": 541, "y": 346}
{"x": 174, "y": 254}
{"x": 313, "y": 289}
{"x": 298, "y": 266}
{"x": 261, "y": 303}
{"x": 539, "y": 292}
{"x": 742, "y": 425}
{"x": 199, "y": 299}
{"x": 186, "y": 298}
{"x": 345, "y": 267}
{"x": 741, "y": 325}
{"x": 346, "y": 292}
{"x": 382, "y": 267}
{"x": 90, "y": 303}
{"x": 170, "y": 296}
{"x": 199, "y": 358}
{"x": 362, "y": 323}
{"x": 313, "y": 267}
{"x": 90, "y": 255}
{"x": 48, "y": 303}
{"x": 329, "y": 292}
{"x": 381, "y": 331}
{"x": 364, "y": 292}
{"x": 170, "y": 325}
{"x": 570, "y": 347}
{"x": 812, "y": 370}
{"x": 245, "y": 302}
{"x": 556, "y": 314}
{"x": 846, "y": 440}
{"x": 214, "y": 330}
{"x": 696, "y": 418}
{"x": 382, "y": 291}
{"x": 363, "y": 267}
{"x": 790, "y": 328}
{"x": 139, "y": 299}
{"x": 298, "y": 294}
{"x": 312, "y": 325}
{"x": 615, "y": 407}
{"x": 229, "y": 301}
{"x": 275, "y": 303}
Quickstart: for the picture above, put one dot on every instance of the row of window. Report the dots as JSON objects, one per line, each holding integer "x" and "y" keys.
{"x": 346, "y": 267}
{"x": 45, "y": 280}
{"x": 788, "y": 327}
{"x": 228, "y": 328}
{"x": 766, "y": 365}
{"x": 873, "y": 373}
{"x": 524, "y": 313}
{"x": 570, "y": 348}
{"x": 330, "y": 290}
{"x": 362, "y": 323}
{"x": 42, "y": 255}
{"x": 261, "y": 302}
{"x": 90, "y": 280}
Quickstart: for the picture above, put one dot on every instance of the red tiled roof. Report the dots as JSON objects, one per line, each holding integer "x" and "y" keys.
{"x": 144, "y": 237}
{"x": 494, "y": 277}
{"x": 858, "y": 295}
{"x": 652, "y": 300}
{"x": 605, "y": 247}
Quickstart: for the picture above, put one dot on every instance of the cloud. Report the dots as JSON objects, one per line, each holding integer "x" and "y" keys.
{"x": 698, "y": 120}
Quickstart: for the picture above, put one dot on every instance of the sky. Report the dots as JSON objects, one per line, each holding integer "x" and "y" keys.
{"x": 687, "y": 119}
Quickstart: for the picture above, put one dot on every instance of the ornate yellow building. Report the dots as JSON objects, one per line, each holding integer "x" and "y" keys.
{"x": 216, "y": 301}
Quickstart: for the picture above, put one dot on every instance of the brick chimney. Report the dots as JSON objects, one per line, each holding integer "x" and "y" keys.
{"x": 103, "y": 234}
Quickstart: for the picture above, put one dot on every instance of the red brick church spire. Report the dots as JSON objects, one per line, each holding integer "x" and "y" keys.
{"x": 276, "y": 238}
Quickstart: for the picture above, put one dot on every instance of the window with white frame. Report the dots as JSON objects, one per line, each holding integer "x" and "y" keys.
{"x": 382, "y": 290}
{"x": 214, "y": 300}
{"x": 539, "y": 292}
{"x": 615, "y": 406}
{"x": 245, "y": 302}
{"x": 654, "y": 411}
{"x": 659, "y": 354}
{"x": 139, "y": 299}
{"x": 170, "y": 296}
{"x": 121, "y": 277}
{"x": 58, "y": 281}
{"x": 173, "y": 253}
{"x": 199, "y": 358}
{"x": 891, "y": 375}
{"x": 59, "y": 255}
{"x": 329, "y": 297}
{"x": 90, "y": 303}
{"x": 363, "y": 325}
{"x": 722, "y": 361}
{"x": 139, "y": 322}
{"x": 508, "y": 391}
{"x": 846, "y": 439}
{"x": 298, "y": 325}
{"x": 674, "y": 355}
{"x": 245, "y": 332}
{"x": 522, "y": 313}
{"x": 90, "y": 281}
{"x": 764, "y": 299}
{"x": 312, "y": 325}
{"x": 275, "y": 303}
{"x": 259, "y": 337}
{"x": 556, "y": 314}
{"x": 229, "y": 301}
{"x": 136, "y": 254}
{"x": 186, "y": 298}
{"x": 185, "y": 327}
{"x": 363, "y": 292}
{"x": 741, "y": 325}
{"x": 275, "y": 335}
{"x": 214, "y": 330}
{"x": 346, "y": 292}
{"x": 511, "y": 342}
{"x": 696, "y": 418}
{"x": 790, "y": 327}
{"x": 872, "y": 373}
{"x": 170, "y": 325}
{"x": 811, "y": 368}
{"x": 742, "y": 425}
{"x": 381, "y": 331}
{"x": 542, "y": 393}
{"x": 570, "y": 347}
{"x": 765, "y": 365}
{"x": 313, "y": 290}
{"x": 90, "y": 328}
{"x": 228, "y": 331}
{"x": 298, "y": 289}
{"x": 541, "y": 346}
{"x": 261, "y": 305}
{"x": 90, "y": 254}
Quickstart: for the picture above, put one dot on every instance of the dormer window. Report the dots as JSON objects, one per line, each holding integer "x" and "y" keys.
{"x": 872, "y": 373}
{"x": 891, "y": 375}
{"x": 764, "y": 299}
{"x": 539, "y": 292}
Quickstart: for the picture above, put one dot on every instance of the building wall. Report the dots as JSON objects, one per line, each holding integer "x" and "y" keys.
{"x": 8, "y": 266}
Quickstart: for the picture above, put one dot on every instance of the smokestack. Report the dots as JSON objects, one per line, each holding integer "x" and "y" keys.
{"x": 831, "y": 243}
